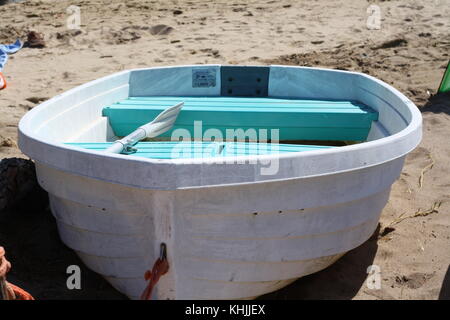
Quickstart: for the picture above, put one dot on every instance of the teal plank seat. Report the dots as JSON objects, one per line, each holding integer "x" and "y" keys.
{"x": 296, "y": 119}
{"x": 197, "y": 149}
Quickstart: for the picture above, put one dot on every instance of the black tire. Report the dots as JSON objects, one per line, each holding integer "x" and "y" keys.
{"x": 19, "y": 186}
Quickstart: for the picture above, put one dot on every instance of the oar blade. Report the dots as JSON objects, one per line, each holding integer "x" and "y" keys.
{"x": 162, "y": 123}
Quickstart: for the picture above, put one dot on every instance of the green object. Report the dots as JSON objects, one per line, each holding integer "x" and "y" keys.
{"x": 197, "y": 149}
{"x": 296, "y": 119}
{"x": 445, "y": 83}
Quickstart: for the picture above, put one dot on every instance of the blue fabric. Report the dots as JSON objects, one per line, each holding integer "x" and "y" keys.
{"x": 8, "y": 48}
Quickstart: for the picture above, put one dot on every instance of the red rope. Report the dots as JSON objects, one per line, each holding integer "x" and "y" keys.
{"x": 10, "y": 291}
{"x": 160, "y": 268}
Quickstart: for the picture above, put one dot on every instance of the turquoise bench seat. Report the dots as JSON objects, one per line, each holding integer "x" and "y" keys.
{"x": 295, "y": 119}
{"x": 183, "y": 150}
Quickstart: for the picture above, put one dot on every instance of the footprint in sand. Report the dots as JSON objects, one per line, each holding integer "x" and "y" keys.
{"x": 414, "y": 280}
{"x": 161, "y": 29}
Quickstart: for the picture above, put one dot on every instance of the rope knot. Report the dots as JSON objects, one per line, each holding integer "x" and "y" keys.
{"x": 160, "y": 268}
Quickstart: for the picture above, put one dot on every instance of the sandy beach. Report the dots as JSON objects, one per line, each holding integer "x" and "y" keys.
{"x": 409, "y": 49}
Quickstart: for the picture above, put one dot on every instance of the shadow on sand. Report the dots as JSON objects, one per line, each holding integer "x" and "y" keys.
{"x": 444, "y": 294}
{"x": 439, "y": 103}
{"x": 39, "y": 259}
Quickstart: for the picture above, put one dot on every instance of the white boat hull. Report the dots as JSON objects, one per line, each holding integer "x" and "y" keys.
{"x": 232, "y": 242}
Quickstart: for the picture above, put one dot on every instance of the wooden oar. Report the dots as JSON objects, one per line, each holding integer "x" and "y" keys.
{"x": 162, "y": 123}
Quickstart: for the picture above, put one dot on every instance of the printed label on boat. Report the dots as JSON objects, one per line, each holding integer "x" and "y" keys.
{"x": 203, "y": 77}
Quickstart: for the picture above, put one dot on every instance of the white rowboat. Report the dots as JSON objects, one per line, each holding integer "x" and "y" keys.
{"x": 232, "y": 230}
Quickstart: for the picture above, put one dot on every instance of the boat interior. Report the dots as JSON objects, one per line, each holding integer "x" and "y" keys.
{"x": 231, "y": 110}
{"x": 228, "y": 126}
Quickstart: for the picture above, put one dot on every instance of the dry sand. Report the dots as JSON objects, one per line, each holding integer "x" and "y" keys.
{"x": 410, "y": 51}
